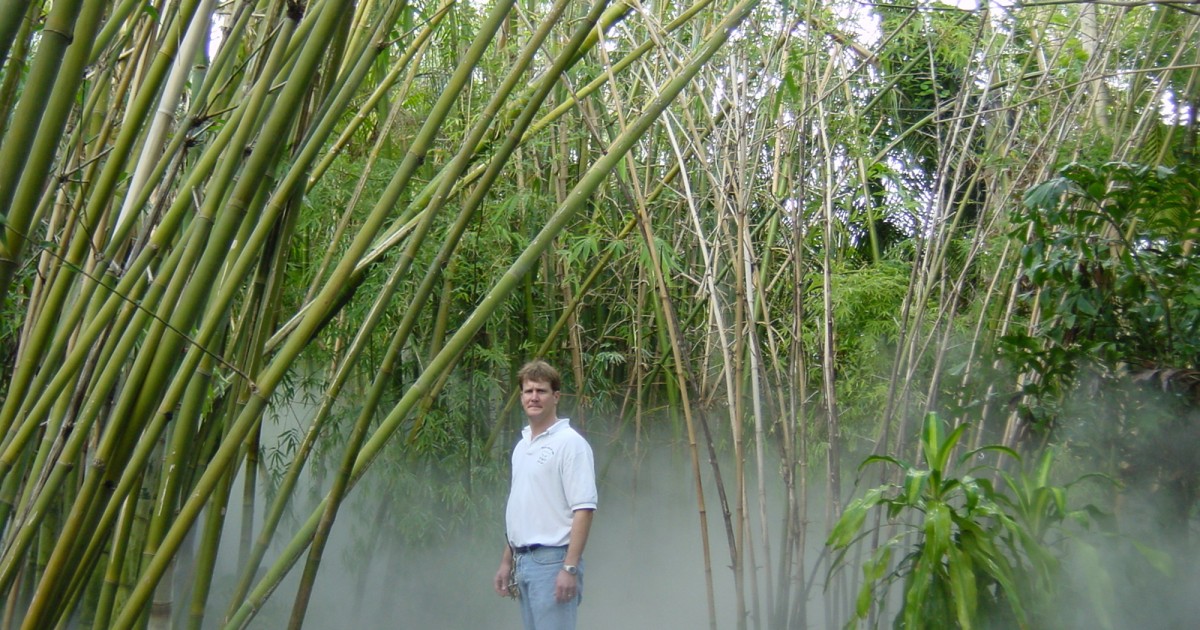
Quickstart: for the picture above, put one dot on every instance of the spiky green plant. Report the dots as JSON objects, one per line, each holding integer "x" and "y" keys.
{"x": 967, "y": 554}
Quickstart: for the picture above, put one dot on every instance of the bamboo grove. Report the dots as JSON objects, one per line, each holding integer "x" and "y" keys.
{"x": 786, "y": 230}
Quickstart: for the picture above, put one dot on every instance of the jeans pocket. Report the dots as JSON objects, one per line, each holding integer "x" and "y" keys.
{"x": 548, "y": 556}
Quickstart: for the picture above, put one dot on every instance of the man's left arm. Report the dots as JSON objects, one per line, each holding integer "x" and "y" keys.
{"x": 566, "y": 585}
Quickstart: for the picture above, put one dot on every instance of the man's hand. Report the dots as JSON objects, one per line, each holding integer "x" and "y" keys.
{"x": 500, "y": 582}
{"x": 566, "y": 587}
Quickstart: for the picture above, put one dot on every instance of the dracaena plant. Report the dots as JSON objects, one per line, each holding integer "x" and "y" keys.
{"x": 966, "y": 552}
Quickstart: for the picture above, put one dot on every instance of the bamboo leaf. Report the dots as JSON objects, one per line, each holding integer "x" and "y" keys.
{"x": 862, "y": 604}
{"x": 1046, "y": 195}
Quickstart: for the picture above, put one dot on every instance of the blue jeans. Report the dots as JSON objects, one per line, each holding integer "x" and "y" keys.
{"x": 535, "y": 573}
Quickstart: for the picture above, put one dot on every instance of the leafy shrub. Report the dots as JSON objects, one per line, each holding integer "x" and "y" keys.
{"x": 1111, "y": 281}
{"x": 983, "y": 556}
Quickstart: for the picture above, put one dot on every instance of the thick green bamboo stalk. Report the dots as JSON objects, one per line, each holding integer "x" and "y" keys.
{"x": 114, "y": 567}
{"x": 313, "y": 142}
{"x": 166, "y": 228}
{"x": 398, "y": 69}
{"x": 359, "y": 432}
{"x": 17, "y": 210}
{"x": 275, "y": 513}
{"x": 105, "y": 381}
{"x": 336, "y": 91}
{"x": 243, "y": 263}
{"x": 367, "y": 413}
{"x": 114, "y": 25}
{"x": 400, "y": 228}
{"x": 19, "y": 50}
{"x": 345, "y": 367}
{"x": 250, "y": 561}
{"x": 514, "y": 138}
{"x": 360, "y": 35}
{"x": 101, "y": 195}
{"x": 611, "y": 17}
{"x": 50, "y": 382}
{"x": 179, "y": 456}
{"x": 268, "y": 289}
{"x": 187, "y": 455}
{"x": 626, "y": 61}
{"x": 196, "y": 34}
{"x": 25, "y": 203}
{"x": 12, "y": 13}
{"x": 190, "y": 291}
{"x": 63, "y": 468}
{"x": 207, "y": 553}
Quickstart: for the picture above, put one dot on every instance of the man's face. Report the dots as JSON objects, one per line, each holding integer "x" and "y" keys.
{"x": 539, "y": 401}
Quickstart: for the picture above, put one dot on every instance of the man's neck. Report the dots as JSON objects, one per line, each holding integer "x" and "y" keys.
{"x": 539, "y": 426}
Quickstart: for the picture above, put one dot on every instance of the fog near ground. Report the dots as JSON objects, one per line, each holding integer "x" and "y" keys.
{"x": 644, "y": 565}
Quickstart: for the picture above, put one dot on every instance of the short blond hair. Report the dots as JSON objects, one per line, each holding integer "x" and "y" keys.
{"x": 539, "y": 370}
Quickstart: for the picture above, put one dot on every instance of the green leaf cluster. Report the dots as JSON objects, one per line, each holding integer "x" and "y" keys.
{"x": 1111, "y": 250}
{"x": 971, "y": 554}
{"x": 1111, "y": 290}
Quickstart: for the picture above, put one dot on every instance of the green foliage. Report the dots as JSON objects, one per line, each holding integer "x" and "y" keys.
{"x": 928, "y": 61}
{"x": 1113, "y": 245}
{"x": 1114, "y": 288}
{"x": 866, "y": 302}
{"x": 972, "y": 555}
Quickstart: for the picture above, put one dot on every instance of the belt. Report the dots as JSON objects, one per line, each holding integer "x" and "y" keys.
{"x": 533, "y": 547}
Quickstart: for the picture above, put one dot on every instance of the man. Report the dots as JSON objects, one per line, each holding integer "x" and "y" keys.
{"x": 550, "y": 507}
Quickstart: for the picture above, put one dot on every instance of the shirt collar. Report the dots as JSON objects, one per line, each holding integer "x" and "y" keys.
{"x": 558, "y": 425}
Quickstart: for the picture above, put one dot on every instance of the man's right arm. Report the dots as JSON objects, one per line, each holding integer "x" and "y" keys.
{"x": 500, "y": 582}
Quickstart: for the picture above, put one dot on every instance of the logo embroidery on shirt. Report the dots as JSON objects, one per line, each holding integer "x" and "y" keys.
{"x": 545, "y": 454}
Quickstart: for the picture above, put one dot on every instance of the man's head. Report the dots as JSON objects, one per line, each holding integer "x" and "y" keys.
{"x": 539, "y": 370}
{"x": 539, "y": 383}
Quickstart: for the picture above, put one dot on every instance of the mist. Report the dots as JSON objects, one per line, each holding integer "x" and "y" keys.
{"x": 643, "y": 567}
{"x": 644, "y": 564}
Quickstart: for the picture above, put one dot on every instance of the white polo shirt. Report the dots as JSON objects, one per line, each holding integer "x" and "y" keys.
{"x": 553, "y": 475}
